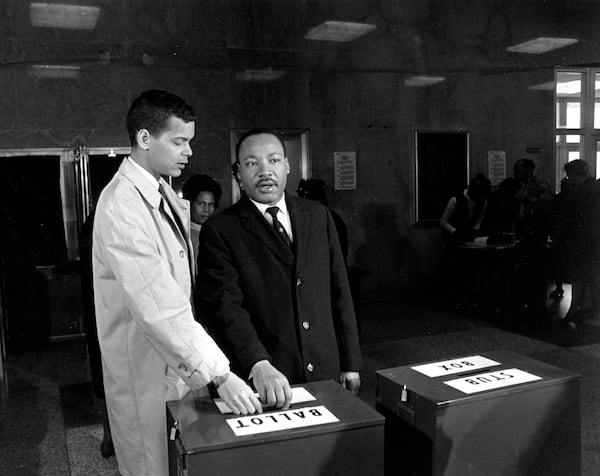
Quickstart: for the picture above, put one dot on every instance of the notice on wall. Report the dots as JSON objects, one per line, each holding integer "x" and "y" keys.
{"x": 455, "y": 366}
{"x": 284, "y": 420}
{"x": 344, "y": 164}
{"x": 491, "y": 380}
{"x": 496, "y": 166}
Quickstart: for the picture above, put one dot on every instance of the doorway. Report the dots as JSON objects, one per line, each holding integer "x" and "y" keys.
{"x": 40, "y": 282}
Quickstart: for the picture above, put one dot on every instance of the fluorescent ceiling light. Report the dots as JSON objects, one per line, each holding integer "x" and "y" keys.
{"x": 543, "y": 87}
{"x": 542, "y": 45}
{"x": 338, "y": 31}
{"x": 54, "y": 71}
{"x": 260, "y": 74}
{"x": 423, "y": 81}
{"x": 58, "y": 15}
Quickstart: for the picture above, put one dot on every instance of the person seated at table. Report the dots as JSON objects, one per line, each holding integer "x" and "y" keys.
{"x": 462, "y": 218}
{"x": 461, "y": 222}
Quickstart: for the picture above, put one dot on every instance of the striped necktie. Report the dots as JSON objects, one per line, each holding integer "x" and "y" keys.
{"x": 278, "y": 226}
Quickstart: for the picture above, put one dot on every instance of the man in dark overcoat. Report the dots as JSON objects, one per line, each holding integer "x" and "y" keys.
{"x": 272, "y": 281}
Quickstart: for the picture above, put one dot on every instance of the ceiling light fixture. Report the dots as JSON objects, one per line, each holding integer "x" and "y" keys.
{"x": 54, "y": 71}
{"x": 58, "y": 15}
{"x": 541, "y": 45}
{"x": 339, "y": 31}
{"x": 423, "y": 81}
{"x": 267, "y": 74}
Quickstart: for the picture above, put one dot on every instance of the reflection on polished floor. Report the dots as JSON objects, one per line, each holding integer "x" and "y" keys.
{"x": 50, "y": 426}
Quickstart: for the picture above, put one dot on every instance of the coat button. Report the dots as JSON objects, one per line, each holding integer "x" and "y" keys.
{"x": 183, "y": 367}
{"x": 310, "y": 367}
{"x": 306, "y": 324}
{"x": 181, "y": 254}
{"x": 298, "y": 282}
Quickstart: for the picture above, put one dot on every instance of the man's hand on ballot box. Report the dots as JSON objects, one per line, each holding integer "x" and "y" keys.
{"x": 238, "y": 395}
{"x": 272, "y": 386}
{"x": 350, "y": 381}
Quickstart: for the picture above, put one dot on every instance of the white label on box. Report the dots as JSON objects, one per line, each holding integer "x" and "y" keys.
{"x": 491, "y": 380}
{"x": 299, "y": 395}
{"x": 455, "y": 366}
{"x": 277, "y": 421}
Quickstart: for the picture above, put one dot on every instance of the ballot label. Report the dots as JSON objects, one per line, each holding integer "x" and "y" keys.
{"x": 283, "y": 420}
{"x": 299, "y": 395}
{"x": 491, "y": 380}
{"x": 455, "y": 366}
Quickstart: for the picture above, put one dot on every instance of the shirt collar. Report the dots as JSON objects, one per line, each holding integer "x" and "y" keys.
{"x": 262, "y": 207}
{"x": 145, "y": 173}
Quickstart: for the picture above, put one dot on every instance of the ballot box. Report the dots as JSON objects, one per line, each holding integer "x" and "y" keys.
{"x": 494, "y": 413}
{"x": 326, "y": 431}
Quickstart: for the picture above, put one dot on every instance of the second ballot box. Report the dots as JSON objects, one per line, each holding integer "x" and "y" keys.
{"x": 326, "y": 431}
{"x": 495, "y": 413}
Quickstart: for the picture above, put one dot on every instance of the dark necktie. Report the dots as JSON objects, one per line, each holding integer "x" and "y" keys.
{"x": 278, "y": 226}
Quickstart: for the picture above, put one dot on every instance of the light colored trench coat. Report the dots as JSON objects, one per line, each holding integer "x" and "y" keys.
{"x": 152, "y": 348}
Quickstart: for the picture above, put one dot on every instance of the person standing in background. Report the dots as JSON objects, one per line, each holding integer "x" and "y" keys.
{"x": 203, "y": 193}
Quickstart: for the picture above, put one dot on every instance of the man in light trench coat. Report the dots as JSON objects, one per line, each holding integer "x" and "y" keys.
{"x": 153, "y": 350}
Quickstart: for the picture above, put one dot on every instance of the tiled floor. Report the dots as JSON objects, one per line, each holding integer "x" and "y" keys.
{"x": 49, "y": 425}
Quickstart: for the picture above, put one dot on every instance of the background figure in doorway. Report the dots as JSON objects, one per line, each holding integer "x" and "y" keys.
{"x": 461, "y": 222}
{"x": 315, "y": 189}
{"x": 204, "y": 193}
{"x": 89, "y": 316}
{"x": 577, "y": 235}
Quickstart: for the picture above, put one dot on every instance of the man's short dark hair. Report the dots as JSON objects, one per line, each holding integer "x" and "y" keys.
{"x": 255, "y": 132}
{"x": 201, "y": 183}
{"x": 152, "y": 109}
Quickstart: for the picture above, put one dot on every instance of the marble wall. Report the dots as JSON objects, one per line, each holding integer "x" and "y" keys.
{"x": 350, "y": 96}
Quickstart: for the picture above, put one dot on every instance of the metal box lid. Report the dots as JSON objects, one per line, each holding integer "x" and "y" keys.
{"x": 489, "y": 374}
{"x": 202, "y": 427}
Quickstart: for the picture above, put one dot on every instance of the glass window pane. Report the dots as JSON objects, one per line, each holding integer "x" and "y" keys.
{"x": 573, "y": 115}
{"x": 597, "y": 115}
{"x": 573, "y": 155}
{"x": 573, "y": 139}
{"x": 597, "y": 160}
{"x": 568, "y": 84}
{"x": 597, "y": 85}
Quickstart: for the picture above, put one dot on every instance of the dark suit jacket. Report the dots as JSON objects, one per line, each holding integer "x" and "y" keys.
{"x": 261, "y": 300}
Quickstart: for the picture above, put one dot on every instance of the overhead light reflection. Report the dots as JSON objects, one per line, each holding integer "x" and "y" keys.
{"x": 423, "y": 81}
{"x": 339, "y": 31}
{"x": 52, "y": 71}
{"x": 541, "y": 45}
{"x": 59, "y": 15}
{"x": 267, "y": 74}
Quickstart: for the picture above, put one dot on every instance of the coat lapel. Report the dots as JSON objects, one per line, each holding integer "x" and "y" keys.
{"x": 300, "y": 228}
{"x": 258, "y": 226}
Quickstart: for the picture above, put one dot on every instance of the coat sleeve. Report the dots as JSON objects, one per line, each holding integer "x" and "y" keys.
{"x": 344, "y": 317}
{"x": 221, "y": 298}
{"x": 154, "y": 298}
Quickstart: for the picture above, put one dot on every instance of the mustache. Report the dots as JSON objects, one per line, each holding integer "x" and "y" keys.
{"x": 266, "y": 182}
